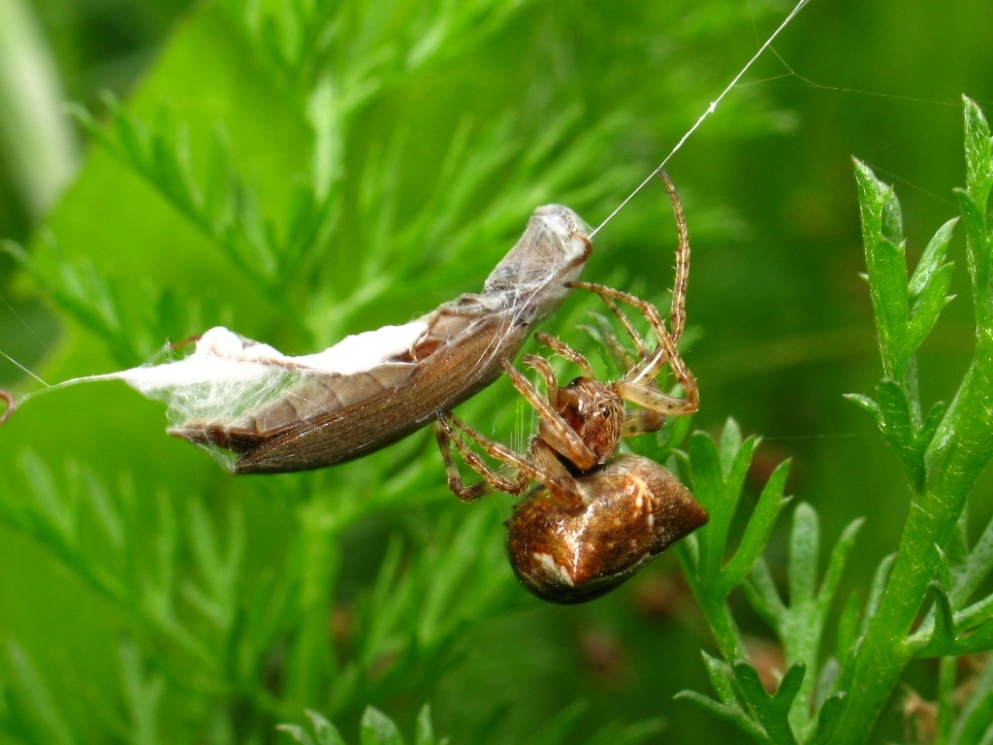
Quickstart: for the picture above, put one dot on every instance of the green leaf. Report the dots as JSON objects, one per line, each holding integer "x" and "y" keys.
{"x": 868, "y": 405}
{"x": 836, "y": 564}
{"x": 978, "y": 564}
{"x": 717, "y": 479}
{"x": 31, "y": 690}
{"x": 882, "y": 235}
{"x": 324, "y": 732}
{"x": 733, "y": 714}
{"x": 760, "y": 524}
{"x": 975, "y": 723}
{"x": 928, "y": 307}
{"x": 978, "y": 151}
{"x": 379, "y": 729}
{"x": 829, "y": 717}
{"x": 978, "y": 248}
{"x": 879, "y": 580}
{"x": 762, "y": 595}
{"x": 932, "y": 260}
{"x": 804, "y": 547}
{"x": 898, "y": 427}
{"x": 720, "y": 677}
{"x": 424, "y": 732}
{"x": 556, "y": 729}
{"x": 142, "y": 694}
{"x": 771, "y": 711}
{"x": 730, "y": 445}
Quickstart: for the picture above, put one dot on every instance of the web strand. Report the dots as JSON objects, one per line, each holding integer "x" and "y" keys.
{"x": 710, "y": 110}
{"x": 23, "y": 368}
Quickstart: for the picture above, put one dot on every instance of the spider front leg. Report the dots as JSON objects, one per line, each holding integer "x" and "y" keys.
{"x": 677, "y": 313}
{"x": 651, "y": 364}
{"x": 445, "y": 432}
{"x": 540, "y": 464}
{"x": 553, "y": 429}
{"x": 10, "y": 404}
{"x": 565, "y": 351}
{"x": 640, "y": 386}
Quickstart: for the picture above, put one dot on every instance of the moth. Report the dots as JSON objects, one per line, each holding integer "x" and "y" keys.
{"x": 275, "y": 413}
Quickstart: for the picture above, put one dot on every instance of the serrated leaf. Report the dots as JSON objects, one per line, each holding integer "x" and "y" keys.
{"x": 976, "y": 567}
{"x": 950, "y": 637}
{"x": 789, "y": 686}
{"x": 707, "y": 485}
{"x": 628, "y": 734}
{"x": 736, "y": 474}
{"x": 895, "y": 409}
{"x": 944, "y": 618}
{"x": 142, "y": 694}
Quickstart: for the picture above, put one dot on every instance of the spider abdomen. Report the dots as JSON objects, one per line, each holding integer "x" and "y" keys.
{"x": 633, "y": 509}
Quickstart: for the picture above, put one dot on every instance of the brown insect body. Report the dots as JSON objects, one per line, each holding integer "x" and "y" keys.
{"x": 632, "y": 510}
{"x": 331, "y": 418}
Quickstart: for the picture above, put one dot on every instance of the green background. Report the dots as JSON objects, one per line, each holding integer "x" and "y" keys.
{"x": 780, "y": 320}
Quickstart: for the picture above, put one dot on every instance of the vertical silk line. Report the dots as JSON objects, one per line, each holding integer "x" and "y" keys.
{"x": 710, "y": 110}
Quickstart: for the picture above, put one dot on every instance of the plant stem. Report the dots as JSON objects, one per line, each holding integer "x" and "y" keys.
{"x": 933, "y": 515}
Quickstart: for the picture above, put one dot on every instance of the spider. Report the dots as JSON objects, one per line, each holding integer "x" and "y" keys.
{"x": 596, "y": 517}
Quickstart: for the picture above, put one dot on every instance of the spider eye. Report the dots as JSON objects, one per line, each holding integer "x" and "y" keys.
{"x": 575, "y": 382}
{"x": 605, "y": 412}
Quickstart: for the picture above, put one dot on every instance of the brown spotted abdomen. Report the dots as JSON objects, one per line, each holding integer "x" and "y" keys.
{"x": 633, "y": 509}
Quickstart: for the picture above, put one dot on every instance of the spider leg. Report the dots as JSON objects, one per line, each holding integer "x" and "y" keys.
{"x": 11, "y": 404}
{"x": 446, "y": 429}
{"x": 639, "y": 385}
{"x": 553, "y": 429}
{"x": 651, "y": 362}
{"x": 604, "y": 336}
{"x": 540, "y": 364}
{"x": 540, "y": 464}
{"x": 564, "y": 350}
{"x": 677, "y": 315}
{"x": 642, "y": 388}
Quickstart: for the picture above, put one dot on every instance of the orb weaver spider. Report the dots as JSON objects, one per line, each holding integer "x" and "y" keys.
{"x": 596, "y": 517}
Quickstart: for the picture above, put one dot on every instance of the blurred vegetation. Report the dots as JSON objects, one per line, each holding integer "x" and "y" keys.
{"x": 145, "y": 595}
